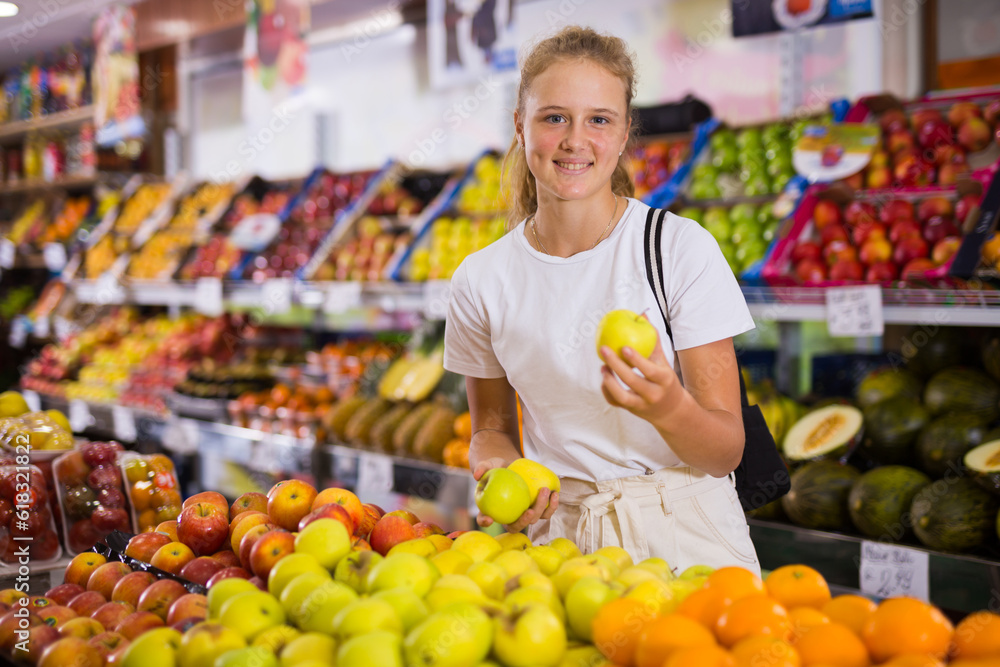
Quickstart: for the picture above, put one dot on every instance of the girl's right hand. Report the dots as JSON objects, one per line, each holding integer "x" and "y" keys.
{"x": 545, "y": 504}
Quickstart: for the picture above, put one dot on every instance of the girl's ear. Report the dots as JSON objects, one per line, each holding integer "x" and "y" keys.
{"x": 518, "y": 129}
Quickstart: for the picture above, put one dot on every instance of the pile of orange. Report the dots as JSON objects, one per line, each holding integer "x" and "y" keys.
{"x": 153, "y": 491}
{"x": 790, "y": 619}
{"x": 456, "y": 452}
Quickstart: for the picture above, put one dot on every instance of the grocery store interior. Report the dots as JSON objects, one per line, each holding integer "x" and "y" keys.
{"x": 227, "y": 236}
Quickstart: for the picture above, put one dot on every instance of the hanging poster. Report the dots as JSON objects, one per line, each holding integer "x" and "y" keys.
{"x": 117, "y": 112}
{"x": 468, "y": 40}
{"x": 274, "y": 58}
{"x": 753, "y": 17}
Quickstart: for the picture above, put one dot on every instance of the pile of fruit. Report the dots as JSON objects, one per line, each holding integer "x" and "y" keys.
{"x": 653, "y": 162}
{"x": 451, "y": 239}
{"x": 26, "y": 518}
{"x": 365, "y": 256}
{"x": 41, "y": 431}
{"x": 743, "y": 231}
{"x": 136, "y": 210}
{"x": 928, "y": 145}
{"x": 66, "y": 222}
{"x": 28, "y": 224}
{"x": 91, "y": 494}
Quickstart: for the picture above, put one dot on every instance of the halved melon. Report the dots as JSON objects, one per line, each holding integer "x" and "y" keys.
{"x": 983, "y": 464}
{"x": 826, "y": 433}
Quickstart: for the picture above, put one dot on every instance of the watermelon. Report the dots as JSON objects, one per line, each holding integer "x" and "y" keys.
{"x": 826, "y": 433}
{"x": 983, "y": 465}
{"x": 944, "y": 441}
{"x": 891, "y": 427}
{"x": 990, "y": 355}
{"x": 963, "y": 390}
{"x": 818, "y": 497}
{"x": 886, "y": 382}
{"x": 879, "y": 501}
{"x": 953, "y": 515}
{"x": 927, "y": 353}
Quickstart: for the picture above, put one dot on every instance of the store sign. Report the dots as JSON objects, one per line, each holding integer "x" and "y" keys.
{"x": 753, "y": 17}
{"x": 889, "y": 571}
{"x": 471, "y": 42}
{"x": 117, "y": 110}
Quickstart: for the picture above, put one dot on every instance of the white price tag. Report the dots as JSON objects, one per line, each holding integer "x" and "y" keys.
{"x": 18, "y": 332}
{"x": 124, "y": 420}
{"x": 79, "y": 416}
{"x": 374, "y": 475}
{"x": 888, "y": 570}
{"x": 32, "y": 399}
{"x": 208, "y": 296}
{"x": 55, "y": 257}
{"x": 436, "y": 296}
{"x": 342, "y": 297}
{"x": 42, "y": 328}
{"x": 8, "y": 253}
{"x": 854, "y": 311}
{"x": 277, "y": 296}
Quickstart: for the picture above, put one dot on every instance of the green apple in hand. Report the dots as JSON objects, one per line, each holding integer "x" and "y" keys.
{"x": 535, "y": 475}
{"x": 621, "y": 328}
{"x": 502, "y": 495}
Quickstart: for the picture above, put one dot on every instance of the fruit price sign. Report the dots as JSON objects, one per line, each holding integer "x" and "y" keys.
{"x": 32, "y": 399}
{"x": 208, "y": 296}
{"x": 374, "y": 475}
{"x": 79, "y": 416}
{"x": 854, "y": 311}
{"x": 891, "y": 571}
{"x": 55, "y": 257}
{"x": 124, "y": 420}
{"x": 342, "y": 297}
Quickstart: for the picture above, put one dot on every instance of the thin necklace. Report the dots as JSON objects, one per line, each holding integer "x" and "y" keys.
{"x": 599, "y": 239}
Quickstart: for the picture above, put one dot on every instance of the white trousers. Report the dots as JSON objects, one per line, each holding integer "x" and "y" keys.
{"x": 681, "y": 515}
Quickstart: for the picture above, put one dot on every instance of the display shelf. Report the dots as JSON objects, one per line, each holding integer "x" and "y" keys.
{"x": 41, "y": 576}
{"x": 957, "y": 583}
{"x": 147, "y": 425}
{"x": 61, "y": 119}
{"x": 37, "y": 184}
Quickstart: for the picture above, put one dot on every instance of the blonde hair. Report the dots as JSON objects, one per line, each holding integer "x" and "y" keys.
{"x": 571, "y": 43}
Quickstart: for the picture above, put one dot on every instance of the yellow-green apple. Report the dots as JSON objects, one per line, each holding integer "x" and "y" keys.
{"x": 451, "y": 562}
{"x": 56, "y": 615}
{"x": 110, "y": 614}
{"x": 227, "y": 557}
{"x": 624, "y": 328}
{"x": 502, "y": 495}
{"x": 158, "y": 597}
{"x": 353, "y": 569}
{"x": 63, "y": 593}
{"x": 514, "y": 563}
{"x": 251, "y": 613}
{"x": 228, "y": 573}
{"x": 130, "y": 587}
{"x": 329, "y": 511}
{"x": 536, "y": 476}
{"x": 377, "y": 648}
{"x": 469, "y": 632}
{"x": 242, "y": 526}
{"x": 489, "y": 577}
{"x": 104, "y": 578}
{"x": 371, "y": 515}
{"x": 547, "y": 558}
{"x": 137, "y": 624}
{"x": 275, "y": 639}
{"x": 619, "y": 556}
{"x": 156, "y": 648}
{"x": 251, "y": 656}
{"x": 298, "y": 589}
{"x": 657, "y": 566}
{"x": 251, "y": 500}
{"x": 326, "y": 540}
{"x": 418, "y": 545}
{"x": 172, "y": 557}
{"x": 189, "y": 605}
{"x": 289, "y": 501}
{"x": 522, "y": 598}
{"x": 478, "y": 545}
{"x": 633, "y": 575}
{"x": 203, "y": 527}
{"x": 363, "y": 616}
{"x": 271, "y": 547}
{"x": 225, "y": 590}
{"x": 81, "y": 567}
{"x": 205, "y": 642}
{"x": 211, "y": 498}
{"x": 317, "y": 611}
{"x": 83, "y": 627}
{"x": 697, "y": 571}
{"x": 452, "y": 588}
{"x": 70, "y": 651}
{"x": 513, "y": 541}
{"x": 168, "y": 528}
{"x": 577, "y": 568}
{"x": 346, "y": 499}
{"x": 583, "y": 600}
{"x": 532, "y": 579}
{"x": 566, "y": 547}
{"x": 290, "y": 567}
{"x": 412, "y": 518}
{"x": 144, "y": 545}
{"x": 315, "y": 646}
{"x": 390, "y": 531}
{"x": 107, "y": 643}
{"x": 410, "y": 570}
{"x": 654, "y": 594}
{"x": 534, "y": 636}
{"x": 201, "y": 569}
{"x": 87, "y": 603}
{"x": 409, "y": 606}
{"x": 442, "y": 542}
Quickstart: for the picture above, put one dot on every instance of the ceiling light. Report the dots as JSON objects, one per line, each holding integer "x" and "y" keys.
{"x": 7, "y": 9}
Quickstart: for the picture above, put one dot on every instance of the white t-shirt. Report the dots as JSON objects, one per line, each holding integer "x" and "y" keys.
{"x": 533, "y": 317}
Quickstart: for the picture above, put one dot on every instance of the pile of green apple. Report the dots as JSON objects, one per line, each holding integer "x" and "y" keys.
{"x": 743, "y": 231}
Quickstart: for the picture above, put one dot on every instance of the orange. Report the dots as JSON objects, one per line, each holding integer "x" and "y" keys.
{"x": 906, "y": 625}
{"x": 463, "y": 426}
{"x": 805, "y": 618}
{"x": 700, "y": 656}
{"x": 617, "y": 627}
{"x": 705, "y": 605}
{"x": 851, "y": 610}
{"x": 832, "y": 645}
{"x": 913, "y": 660}
{"x": 735, "y": 582}
{"x": 977, "y": 636}
{"x": 663, "y": 636}
{"x": 798, "y": 586}
{"x": 765, "y": 652}
{"x": 750, "y": 617}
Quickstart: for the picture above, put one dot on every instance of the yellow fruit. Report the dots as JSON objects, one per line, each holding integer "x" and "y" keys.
{"x": 12, "y": 404}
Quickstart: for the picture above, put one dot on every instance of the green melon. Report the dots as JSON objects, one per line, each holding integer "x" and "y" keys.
{"x": 944, "y": 441}
{"x": 826, "y": 433}
{"x": 818, "y": 497}
{"x": 927, "y": 353}
{"x": 770, "y": 511}
{"x": 891, "y": 427}
{"x": 886, "y": 382}
{"x": 983, "y": 465}
{"x": 879, "y": 502}
{"x": 953, "y": 515}
{"x": 990, "y": 355}
{"x": 963, "y": 390}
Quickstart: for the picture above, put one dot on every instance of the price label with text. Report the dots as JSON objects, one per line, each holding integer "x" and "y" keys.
{"x": 32, "y": 399}
{"x": 342, "y": 297}
{"x": 79, "y": 416}
{"x": 374, "y": 475}
{"x": 888, "y": 571}
{"x": 54, "y": 255}
{"x": 208, "y": 296}
{"x": 854, "y": 311}
{"x": 124, "y": 420}
{"x": 277, "y": 296}
{"x": 8, "y": 253}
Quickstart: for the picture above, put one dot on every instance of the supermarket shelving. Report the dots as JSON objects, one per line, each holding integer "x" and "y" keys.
{"x": 61, "y": 119}
{"x": 36, "y": 185}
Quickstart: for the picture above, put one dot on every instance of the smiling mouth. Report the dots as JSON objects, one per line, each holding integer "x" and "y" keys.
{"x": 573, "y": 166}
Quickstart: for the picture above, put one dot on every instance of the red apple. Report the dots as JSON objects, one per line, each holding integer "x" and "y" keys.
{"x": 876, "y": 249}
{"x": 935, "y": 133}
{"x": 83, "y": 627}
{"x": 992, "y": 112}
{"x": 862, "y": 233}
{"x": 902, "y": 228}
{"x": 269, "y": 549}
{"x": 847, "y": 270}
{"x": 945, "y": 249}
{"x": 172, "y": 557}
{"x": 203, "y": 527}
{"x": 938, "y": 227}
{"x": 191, "y": 605}
{"x": 107, "y": 643}
{"x": 130, "y": 587}
{"x": 839, "y": 251}
{"x": 244, "y": 526}
{"x": 329, "y": 511}
{"x": 201, "y": 569}
{"x": 912, "y": 171}
{"x": 390, "y": 531}
{"x": 250, "y": 539}
{"x": 226, "y": 573}
{"x": 360, "y": 544}
{"x": 81, "y": 567}
{"x": 931, "y": 206}
{"x": 159, "y": 596}
{"x": 424, "y": 529}
{"x": 860, "y": 213}
{"x": 227, "y": 557}
{"x": 259, "y": 583}
{"x": 807, "y": 271}
{"x": 248, "y": 501}
{"x": 10, "y": 624}
{"x": 832, "y": 233}
{"x": 964, "y": 207}
{"x": 909, "y": 248}
{"x": 405, "y": 514}
{"x": 921, "y": 116}
{"x": 110, "y": 614}
{"x": 39, "y": 638}
{"x": 343, "y": 497}
{"x": 138, "y": 623}
{"x": 803, "y": 250}
{"x": 372, "y": 513}
{"x": 826, "y": 213}
{"x": 87, "y": 603}
{"x": 107, "y": 519}
{"x": 975, "y": 134}
{"x": 893, "y": 120}
{"x": 900, "y": 140}
{"x": 948, "y": 173}
{"x": 960, "y": 111}
{"x": 209, "y": 498}
{"x": 144, "y": 545}
{"x": 916, "y": 268}
{"x": 948, "y": 153}
{"x": 63, "y": 593}
{"x": 57, "y": 615}
{"x": 105, "y": 577}
{"x": 70, "y": 651}
{"x": 289, "y": 501}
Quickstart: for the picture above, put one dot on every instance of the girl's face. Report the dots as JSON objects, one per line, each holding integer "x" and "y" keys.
{"x": 575, "y": 122}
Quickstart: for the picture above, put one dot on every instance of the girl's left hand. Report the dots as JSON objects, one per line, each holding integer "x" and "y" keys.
{"x": 651, "y": 395}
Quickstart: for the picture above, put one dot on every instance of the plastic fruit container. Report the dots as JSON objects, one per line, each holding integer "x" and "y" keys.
{"x": 25, "y": 518}
{"x": 152, "y": 488}
{"x": 37, "y": 430}
{"x": 91, "y": 494}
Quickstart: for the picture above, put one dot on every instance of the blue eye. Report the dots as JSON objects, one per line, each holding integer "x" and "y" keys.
{"x": 553, "y": 118}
